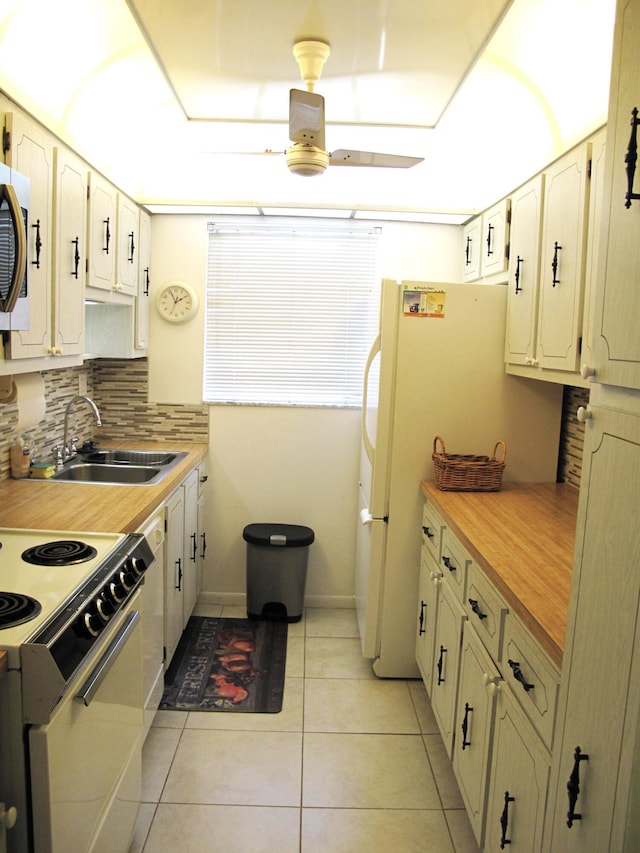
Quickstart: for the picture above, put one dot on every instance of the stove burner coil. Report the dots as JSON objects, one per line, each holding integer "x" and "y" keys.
{"x": 16, "y": 609}
{"x": 64, "y": 552}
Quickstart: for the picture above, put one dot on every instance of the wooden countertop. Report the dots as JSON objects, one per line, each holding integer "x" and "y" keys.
{"x": 522, "y": 537}
{"x": 54, "y": 505}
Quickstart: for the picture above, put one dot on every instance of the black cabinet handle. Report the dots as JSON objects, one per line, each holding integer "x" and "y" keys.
{"x": 517, "y": 274}
{"x": 489, "y": 236}
{"x": 146, "y": 281}
{"x": 573, "y": 786}
{"x": 631, "y": 158}
{"x": 107, "y": 236}
{"x": 131, "y": 247}
{"x": 519, "y": 676}
{"x": 443, "y": 652}
{"x": 449, "y": 564}
{"x": 422, "y": 630}
{"x": 504, "y": 820}
{"x": 555, "y": 263}
{"x": 76, "y": 257}
{"x": 179, "y": 565}
{"x": 203, "y": 536}
{"x": 194, "y": 546}
{"x": 465, "y": 725}
{"x": 467, "y": 251}
{"x": 36, "y": 263}
{"x": 476, "y": 608}
{"x": 427, "y": 532}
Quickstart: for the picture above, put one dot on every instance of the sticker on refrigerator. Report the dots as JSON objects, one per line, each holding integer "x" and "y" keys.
{"x": 423, "y": 302}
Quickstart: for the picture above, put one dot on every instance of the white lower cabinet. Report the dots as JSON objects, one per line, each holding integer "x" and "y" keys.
{"x": 152, "y": 610}
{"x": 519, "y": 777}
{"x": 494, "y": 695}
{"x": 185, "y": 546}
{"x": 448, "y": 635}
{"x": 474, "y": 720}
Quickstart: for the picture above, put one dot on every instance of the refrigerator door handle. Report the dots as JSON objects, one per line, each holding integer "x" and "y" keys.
{"x": 368, "y": 446}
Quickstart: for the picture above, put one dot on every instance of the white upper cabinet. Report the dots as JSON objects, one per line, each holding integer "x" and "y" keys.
{"x": 566, "y": 199}
{"x": 127, "y": 246}
{"x": 71, "y": 252}
{"x": 617, "y": 304}
{"x": 102, "y": 233}
{"x": 486, "y": 242}
{"x": 142, "y": 302}
{"x": 522, "y": 305}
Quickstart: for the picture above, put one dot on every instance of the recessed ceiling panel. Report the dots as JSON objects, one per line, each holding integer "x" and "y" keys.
{"x": 392, "y": 62}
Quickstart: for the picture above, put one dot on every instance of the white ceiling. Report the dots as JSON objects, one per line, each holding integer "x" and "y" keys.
{"x": 156, "y": 93}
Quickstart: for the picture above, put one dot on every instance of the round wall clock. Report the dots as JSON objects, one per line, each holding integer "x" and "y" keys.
{"x": 177, "y": 302}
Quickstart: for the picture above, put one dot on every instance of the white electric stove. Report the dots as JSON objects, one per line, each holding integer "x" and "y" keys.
{"x": 70, "y": 626}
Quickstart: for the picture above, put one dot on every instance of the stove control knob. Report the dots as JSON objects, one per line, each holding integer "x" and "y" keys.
{"x": 118, "y": 593}
{"x": 104, "y": 608}
{"x": 127, "y": 580}
{"x": 93, "y": 623}
{"x": 138, "y": 566}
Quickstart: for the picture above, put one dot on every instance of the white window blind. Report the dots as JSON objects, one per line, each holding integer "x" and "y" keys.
{"x": 291, "y": 313}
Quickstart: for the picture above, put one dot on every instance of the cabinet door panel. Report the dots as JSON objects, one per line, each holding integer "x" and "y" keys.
{"x": 524, "y": 270}
{"x": 618, "y": 296}
{"x": 427, "y": 617}
{"x": 102, "y": 233}
{"x": 562, "y": 261}
{"x": 599, "y": 700}
{"x": 519, "y": 770}
{"x": 472, "y": 249}
{"x": 71, "y": 224}
{"x": 446, "y": 664}
{"x": 474, "y": 720}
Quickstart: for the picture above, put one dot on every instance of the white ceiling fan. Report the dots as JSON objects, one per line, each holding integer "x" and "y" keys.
{"x": 308, "y": 155}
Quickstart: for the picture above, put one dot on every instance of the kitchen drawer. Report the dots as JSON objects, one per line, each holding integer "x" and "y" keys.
{"x": 432, "y": 528}
{"x": 533, "y": 678}
{"x": 486, "y": 610}
{"x": 455, "y": 562}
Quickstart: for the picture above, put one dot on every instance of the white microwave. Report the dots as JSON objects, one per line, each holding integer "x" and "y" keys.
{"x": 14, "y": 222}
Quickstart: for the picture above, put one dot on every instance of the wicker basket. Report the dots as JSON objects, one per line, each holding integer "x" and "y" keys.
{"x": 458, "y": 473}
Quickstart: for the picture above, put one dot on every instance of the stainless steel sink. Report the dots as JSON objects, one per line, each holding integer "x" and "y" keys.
{"x": 120, "y": 467}
{"x": 130, "y": 457}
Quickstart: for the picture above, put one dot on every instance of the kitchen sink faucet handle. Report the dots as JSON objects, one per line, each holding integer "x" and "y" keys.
{"x": 58, "y": 456}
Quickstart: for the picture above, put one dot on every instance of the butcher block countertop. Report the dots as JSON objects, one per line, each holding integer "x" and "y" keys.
{"x": 522, "y": 537}
{"x": 52, "y": 505}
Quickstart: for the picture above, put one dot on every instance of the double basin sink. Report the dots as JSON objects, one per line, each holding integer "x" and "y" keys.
{"x": 119, "y": 467}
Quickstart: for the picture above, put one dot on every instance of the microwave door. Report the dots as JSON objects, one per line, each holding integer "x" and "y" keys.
{"x": 14, "y": 248}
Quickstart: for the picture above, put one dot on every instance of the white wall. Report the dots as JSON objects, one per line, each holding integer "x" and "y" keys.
{"x": 274, "y": 464}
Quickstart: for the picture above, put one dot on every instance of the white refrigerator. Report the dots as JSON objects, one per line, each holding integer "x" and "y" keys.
{"x": 436, "y": 368}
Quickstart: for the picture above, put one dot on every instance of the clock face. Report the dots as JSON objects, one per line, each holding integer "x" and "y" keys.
{"x": 177, "y": 302}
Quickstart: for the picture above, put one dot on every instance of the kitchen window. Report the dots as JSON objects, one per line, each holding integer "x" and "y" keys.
{"x": 291, "y": 313}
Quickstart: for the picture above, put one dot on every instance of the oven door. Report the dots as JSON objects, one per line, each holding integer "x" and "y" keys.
{"x": 86, "y": 769}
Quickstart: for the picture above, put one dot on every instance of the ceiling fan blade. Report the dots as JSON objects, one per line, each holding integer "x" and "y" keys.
{"x": 306, "y": 117}
{"x": 345, "y": 157}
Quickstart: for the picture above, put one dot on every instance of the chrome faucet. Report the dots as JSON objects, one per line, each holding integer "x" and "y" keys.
{"x": 69, "y": 450}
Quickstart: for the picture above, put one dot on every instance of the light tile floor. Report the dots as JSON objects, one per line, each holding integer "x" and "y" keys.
{"x": 352, "y": 763}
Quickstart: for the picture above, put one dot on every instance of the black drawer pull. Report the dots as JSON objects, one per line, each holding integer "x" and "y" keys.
{"x": 555, "y": 263}
{"x": 476, "y": 609}
{"x": 443, "y": 652}
{"x": 465, "y": 725}
{"x": 573, "y": 786}
{"x": 427, "y": 532}
{"x": 504, "y": 820}
{"x": 422, "y": 630}
{"x": 449, "y": 564}
{"x": 631, "y": 158}
{"x": 519, "y": 676}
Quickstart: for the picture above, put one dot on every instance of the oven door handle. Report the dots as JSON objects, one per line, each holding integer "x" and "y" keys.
{"x": 100, "y": 672}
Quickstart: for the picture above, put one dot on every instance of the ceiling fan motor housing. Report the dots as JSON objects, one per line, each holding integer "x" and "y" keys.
{"x": 306, "y": 160}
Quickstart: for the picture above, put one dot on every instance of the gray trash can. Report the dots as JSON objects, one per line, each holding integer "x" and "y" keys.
{"x": 277, "y": 557}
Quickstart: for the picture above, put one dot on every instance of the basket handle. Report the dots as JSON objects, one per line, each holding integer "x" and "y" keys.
{"x": 437, "y": 439}
{"x": 504, "y": 451}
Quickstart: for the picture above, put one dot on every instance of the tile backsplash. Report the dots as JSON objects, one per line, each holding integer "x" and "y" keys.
{"x": 571, "y": 436}
{"x": 119, "y": 387}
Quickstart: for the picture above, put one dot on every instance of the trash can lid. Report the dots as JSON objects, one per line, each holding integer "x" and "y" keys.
{"x": 287, "y": 535}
